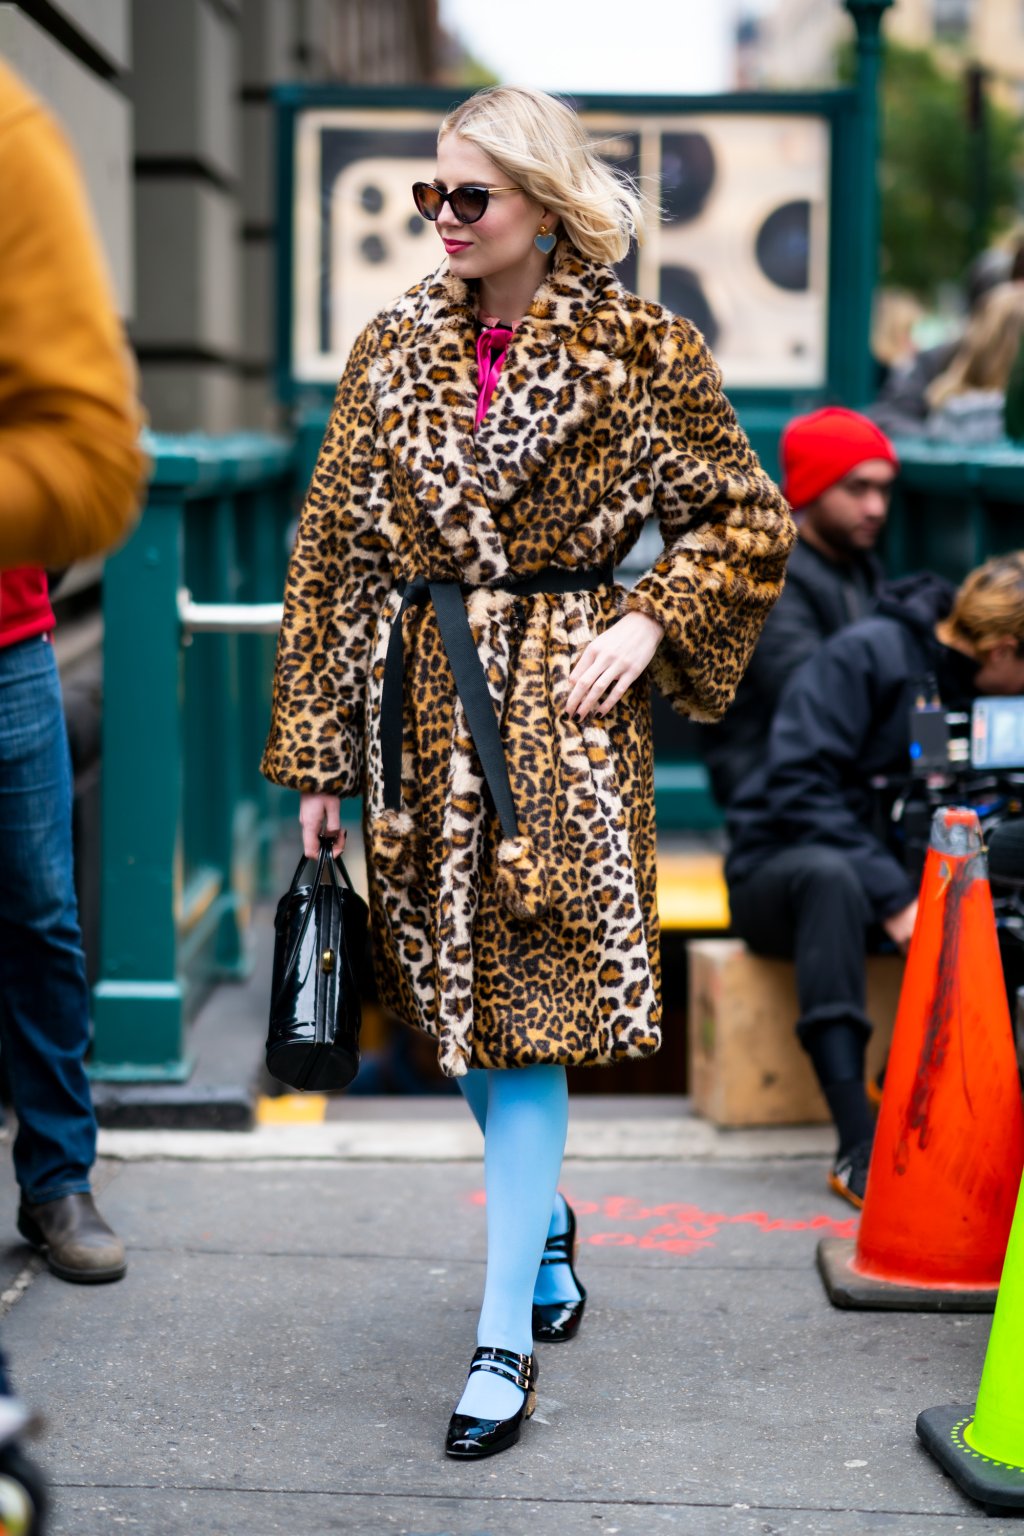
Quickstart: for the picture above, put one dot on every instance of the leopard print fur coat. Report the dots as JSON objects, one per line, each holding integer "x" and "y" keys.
{"x": 608, "y": 411}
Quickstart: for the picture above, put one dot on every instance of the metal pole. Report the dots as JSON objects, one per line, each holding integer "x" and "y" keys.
{"x": 867, "y": 16}
{"x": 978, "y": 155}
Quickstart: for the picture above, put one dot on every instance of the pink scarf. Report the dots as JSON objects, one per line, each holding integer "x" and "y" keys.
{"x": 491, "y": 346}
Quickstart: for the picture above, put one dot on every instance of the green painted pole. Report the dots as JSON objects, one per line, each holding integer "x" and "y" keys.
{"x": 863, "y": 194}
{"x": 976, "y": 82}
{"x": 139, "y": 1002}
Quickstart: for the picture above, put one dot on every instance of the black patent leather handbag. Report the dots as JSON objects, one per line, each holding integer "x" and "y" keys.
{"x": 320, "y": 946}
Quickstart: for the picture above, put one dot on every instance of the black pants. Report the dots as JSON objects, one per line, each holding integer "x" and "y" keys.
{"x": 807, "y": 905}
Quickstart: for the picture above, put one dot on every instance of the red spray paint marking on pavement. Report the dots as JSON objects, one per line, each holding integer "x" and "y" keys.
{"x": 684, "y": 1229}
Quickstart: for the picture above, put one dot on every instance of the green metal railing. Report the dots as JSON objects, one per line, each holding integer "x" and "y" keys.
{"x": 953, "y": 508}
{"x": 186, "y": 815}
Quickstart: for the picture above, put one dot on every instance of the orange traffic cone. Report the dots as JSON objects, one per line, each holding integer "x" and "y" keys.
{"x": 983, "y": 1447}
{"x": 949, "y": 1144}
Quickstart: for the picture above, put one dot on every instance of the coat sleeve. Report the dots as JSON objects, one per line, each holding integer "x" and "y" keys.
{"x": 337, "y": 579}
{"x": 726, "y": 531}
{"x": 827, "y": 715}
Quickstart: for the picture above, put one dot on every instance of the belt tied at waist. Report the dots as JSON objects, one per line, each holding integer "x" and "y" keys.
{"x": 470, "y": 680}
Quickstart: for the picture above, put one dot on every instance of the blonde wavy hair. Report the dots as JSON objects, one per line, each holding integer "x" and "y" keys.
{"x": 540, "y": 144}
{"x": 990, "y": 603}
{"x": 986, "y": 355}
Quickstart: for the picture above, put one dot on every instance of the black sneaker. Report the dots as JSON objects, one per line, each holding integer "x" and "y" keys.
{"x": 849, "y": 1176}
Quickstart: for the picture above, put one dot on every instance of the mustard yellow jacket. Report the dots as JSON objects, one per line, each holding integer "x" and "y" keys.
{"x": 70, "y": 464}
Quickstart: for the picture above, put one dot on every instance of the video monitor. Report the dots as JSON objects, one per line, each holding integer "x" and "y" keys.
{"x": 997, "y": 733}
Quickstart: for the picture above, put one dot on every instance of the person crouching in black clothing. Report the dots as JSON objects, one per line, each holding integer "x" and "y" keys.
{"x": 814, "y": 869}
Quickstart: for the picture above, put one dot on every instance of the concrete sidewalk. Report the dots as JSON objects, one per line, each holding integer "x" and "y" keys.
{"x": 295, "y": 1328}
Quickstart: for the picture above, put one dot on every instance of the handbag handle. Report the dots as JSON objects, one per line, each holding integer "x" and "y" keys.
{"x": 325, "y": 859}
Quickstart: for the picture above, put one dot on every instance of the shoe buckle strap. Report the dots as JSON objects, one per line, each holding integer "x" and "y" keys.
{"x": 495, "y": 1369}
{"x": 506, "y": 1363}
{"x": 556, "y": 1249}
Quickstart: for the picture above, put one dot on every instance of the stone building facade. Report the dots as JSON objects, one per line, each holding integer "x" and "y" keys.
{"x": 168, "y": 105}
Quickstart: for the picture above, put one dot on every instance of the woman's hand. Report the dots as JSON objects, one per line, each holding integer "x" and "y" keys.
{"x": 313, "y": 809}
{"x": 611, "y": 663}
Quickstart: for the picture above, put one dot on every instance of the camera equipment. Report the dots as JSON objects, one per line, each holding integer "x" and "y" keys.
{"x": 977, "y": 760}
{"x": 974, "y": 759}
{"x": 997, "y": 733}
{"x": 990, "y": 738}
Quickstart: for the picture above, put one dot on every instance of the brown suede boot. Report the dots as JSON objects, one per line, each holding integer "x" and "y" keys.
{"x": 74, "y": 1239}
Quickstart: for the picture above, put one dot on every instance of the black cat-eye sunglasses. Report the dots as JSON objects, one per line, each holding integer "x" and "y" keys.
{"x": 467, "y": 203}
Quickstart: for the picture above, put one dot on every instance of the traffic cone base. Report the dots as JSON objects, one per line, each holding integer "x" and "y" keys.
{"x": 949, "y": 1143}
{"x": 993, "y": 1483}
{"x": 851, "y": 1290}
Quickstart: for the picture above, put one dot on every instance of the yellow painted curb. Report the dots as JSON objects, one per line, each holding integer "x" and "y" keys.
{"x": 691, "y": 891}
{"x": 292, "y": 1109}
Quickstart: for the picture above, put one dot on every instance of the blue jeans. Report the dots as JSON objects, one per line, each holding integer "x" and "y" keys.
{"x": 44, "y": 998}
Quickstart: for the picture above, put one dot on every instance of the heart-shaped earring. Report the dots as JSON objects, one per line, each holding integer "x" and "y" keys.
{"x": 544, "y": 240}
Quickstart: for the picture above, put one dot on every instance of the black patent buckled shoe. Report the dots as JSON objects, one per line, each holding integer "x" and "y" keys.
{"x": 471, "y": 1438}
{"x": 555, "y": 1322}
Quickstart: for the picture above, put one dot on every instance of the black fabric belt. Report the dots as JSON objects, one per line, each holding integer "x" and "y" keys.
{"x": 448, "y": 598}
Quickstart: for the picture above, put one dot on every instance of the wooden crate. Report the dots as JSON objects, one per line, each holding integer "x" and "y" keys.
{"x": 746, "y": 1066}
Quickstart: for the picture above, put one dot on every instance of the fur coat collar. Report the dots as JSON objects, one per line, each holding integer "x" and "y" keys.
{"x": 567, "y": 359}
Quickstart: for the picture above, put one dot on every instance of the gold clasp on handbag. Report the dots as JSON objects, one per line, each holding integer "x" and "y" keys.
{"x": 327, "y": 961}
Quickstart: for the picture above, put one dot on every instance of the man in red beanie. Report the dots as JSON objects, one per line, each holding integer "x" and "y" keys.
{"x": 838, "y": 470}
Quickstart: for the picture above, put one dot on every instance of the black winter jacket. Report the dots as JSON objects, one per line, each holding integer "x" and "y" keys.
{"x": 820, "y": 597}
{"x": 843, "y": 720}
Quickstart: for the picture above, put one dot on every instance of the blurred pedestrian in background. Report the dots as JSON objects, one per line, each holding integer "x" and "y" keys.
{"x": 498, "y": 439}
{"x": 967, "y": 402}
{"x": 896, "y": 314}
{"x": 838, "y": 469}
{"x": 70, "y": 474}
{"x": 903, "y": 405}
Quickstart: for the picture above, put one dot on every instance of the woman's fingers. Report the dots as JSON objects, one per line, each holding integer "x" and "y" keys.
{"x": 596, "y": 692}
{"x": 594, "y": 680}
{"x": 311, "y": 840}
{"x": 612, "y": 663}
{"x": 594, "y": 665}
{"x": 618, "y": 692}
{"x": 320, "y": 813}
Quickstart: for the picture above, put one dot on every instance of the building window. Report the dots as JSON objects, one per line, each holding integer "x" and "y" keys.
{"x": 952, "y": 19}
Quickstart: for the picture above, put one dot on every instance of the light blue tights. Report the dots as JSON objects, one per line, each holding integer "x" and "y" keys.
{"x": 524, "y": 1115}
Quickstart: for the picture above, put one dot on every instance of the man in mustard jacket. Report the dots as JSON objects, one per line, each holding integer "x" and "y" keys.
{"x": 70, "y": 476}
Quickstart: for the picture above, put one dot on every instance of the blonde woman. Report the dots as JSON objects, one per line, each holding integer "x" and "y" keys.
{"x": 454, "y": 649}
{"x": 967, "y": 401}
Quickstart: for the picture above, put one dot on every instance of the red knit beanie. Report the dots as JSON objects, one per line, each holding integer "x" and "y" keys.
{"x": 819, "y": 449}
